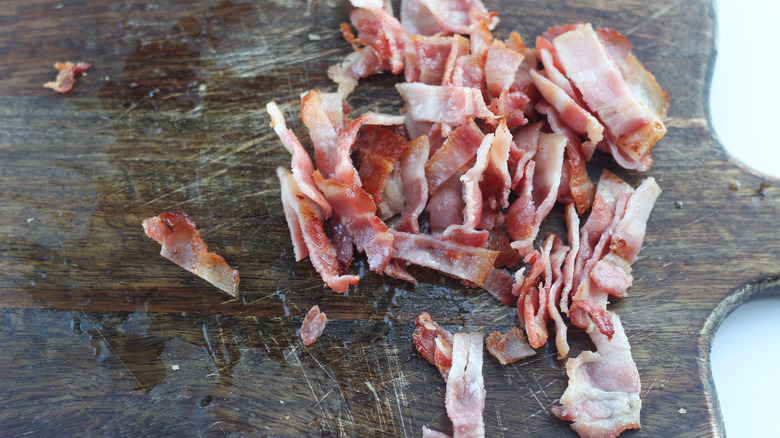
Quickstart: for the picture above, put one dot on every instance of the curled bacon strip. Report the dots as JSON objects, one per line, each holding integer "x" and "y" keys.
{"x": 181, "y": 244}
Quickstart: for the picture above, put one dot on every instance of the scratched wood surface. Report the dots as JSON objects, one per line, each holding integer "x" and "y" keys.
{"x": 101, "y": 336}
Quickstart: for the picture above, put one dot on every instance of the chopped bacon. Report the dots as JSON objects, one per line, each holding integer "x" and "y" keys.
{"x": 499, "y": 241}
{"x": 415, "y": 185}
{"x": 445, "y": 208}
{"x": 443, "y": 104}
{"x": 573, "y": 238}
{"x": 313, "y": 325}
{"x": 557, "y": 258}
{"x": 344, "y": 168}
{"x": 67, "y": 75}
{"x": 380, "y": 33}
{"x": 432, "y": 54}
{"x": 459, "y": 148}
{"x": 454, "y": 67}
{"x": 602, "y": 398}
{"x": 304, "y": 219}
{"x": 465, "y": 396}
{"x": 181, "y": 244}
{"x": 380, "y": 149}
{"x": 460, "y": 261}
{"x": 460, "y": 16}
{"x": 433, "y": 342}
{"x": 501, "y": 66}
{"x": 509, "y": 347}
{"x": 392, "y": 195}
{"x": 495, "y": 181}
{"x": 580, "y": 186}
{"x": 542, "y": 185}
{"x": 323, "y": 134}
{"x": 499, "y": 284}
{"x": 416, "y": 19}
{"x": 357, "y": 211}
{"x": 634, "y": 127}
{"x": 302, "y": 169}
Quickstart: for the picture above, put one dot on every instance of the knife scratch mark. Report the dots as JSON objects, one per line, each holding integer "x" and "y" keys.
{"x": 657, "y": 14}
{"x": 378, "y": 405}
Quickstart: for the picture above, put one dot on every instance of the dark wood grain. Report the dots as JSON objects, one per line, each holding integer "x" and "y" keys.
{"x": 101, "y": 336}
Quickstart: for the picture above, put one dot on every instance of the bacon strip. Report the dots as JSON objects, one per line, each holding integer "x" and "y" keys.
{"x": 66, "y": 76}
{"x": 381, "y": 33}
{"x": 302, "y": 169}
{"x": 461, "y": 261}
{"x": 602, "y": 398}
{"x": 634, "y": 127}
{"x": 459, "y": 148}
{"x": 443, "y": 104}
{"x": 509, "y": 347}
{"x": 460, "y": 16}
{"x": 357, "y": 211}
{"x": 544, "y": 180}
{"x": 304, "y": 219}
{"x": 313, "y": 325}
{"x": 181, "y": 244}
{"x": 415, "y": 185}
{"x": 501, "y": 66}
{"x": 465, "y": 397}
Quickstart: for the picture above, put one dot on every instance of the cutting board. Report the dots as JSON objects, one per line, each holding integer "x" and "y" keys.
{"x": 99, "y": 335}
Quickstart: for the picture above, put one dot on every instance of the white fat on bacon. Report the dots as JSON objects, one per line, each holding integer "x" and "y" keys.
{"x": 465, "y": 396}
{"x": 602, "y": 398}
{"x": 509, "y": 347}
{"x": 459, "y": 16}
{"x": 443, "y": 104}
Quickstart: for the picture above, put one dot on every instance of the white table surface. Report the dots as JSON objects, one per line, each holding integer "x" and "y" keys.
{"x": 745, "y": 94}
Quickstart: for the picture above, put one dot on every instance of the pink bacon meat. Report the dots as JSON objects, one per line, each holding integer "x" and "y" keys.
{"x": 67, "y": 75}
{"x": 181, "y": 244}
{"x": 313, "y": 325}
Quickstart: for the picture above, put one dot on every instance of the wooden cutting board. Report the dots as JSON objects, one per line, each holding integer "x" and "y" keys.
{"x": 99, "y": 335}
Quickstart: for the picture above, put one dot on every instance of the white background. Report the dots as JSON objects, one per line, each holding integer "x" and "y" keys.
{"x": 745, "y": 106}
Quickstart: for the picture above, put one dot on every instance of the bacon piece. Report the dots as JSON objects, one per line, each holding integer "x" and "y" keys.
{"x": 573, "y": 238}
{"x": 415, "y": 185}
{"x": 417, "y": 19}
{"x": 460, "y": 261}
{"x": 460, "y": 16}
{"x": 445, "y": 208}
{"x": 465, "y": 396}
{"x": 432, "y": 54}
{"x": 557, "y": 258}
{"x": 381, "y": 33}
{"x": 525, "y": 142}
{"x": 344, "y": 168}
{"x": 510, "y": 347}
{"x": 181, "y": 244}
{"x": 602, "y": 398}
{"x": 499, "y": 284}
{"x": 66, "y": 76}
{"x": 454, "y": 67}
{"x": 499, "y": 241}
{"x": 357, "y": 212}
{"x": 392, "y": 195}
{"x": 433, "y": 342}
{"x": 443, "y": 104}
{"x": 633, "y": 125}
{"x": 313, "y": 325}
{"x": 501, "y": 66}
{"x": 342, "y": 243}
{"x": 472, "y": 195}
{"x": 495, "y": 181}
{"x": 304, "y": 219}
{"x": 532, "y": 302}
{"x": 459, "y": 148}
{"x": 571, "y": 113}
{"x": 511, "y": 105}
{"x": 397, "y": 269}
{"x": 582, "y": 189}
{"x": 544, "y": 181}
{"x": 302, "y": 168}
{"x": 428, "y": 433}
{"x": 323, "y": 133}
{"x": 380, "y": 150}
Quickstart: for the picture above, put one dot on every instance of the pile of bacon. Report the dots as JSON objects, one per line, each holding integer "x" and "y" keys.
{"x": 492, "y": 135}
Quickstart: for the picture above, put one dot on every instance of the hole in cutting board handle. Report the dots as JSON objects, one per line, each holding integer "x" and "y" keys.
{"x": 744, "y": 90}
{"x": 743, "y": 360}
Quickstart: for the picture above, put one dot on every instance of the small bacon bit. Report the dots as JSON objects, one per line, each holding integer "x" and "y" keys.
{"x": 429, "y": 433}
{"x": 181, "y": 244}
{"x": 433, "y": 342}
{"x": 510, "y": 347}
{"x": 67, "y": 75}
{"x": 313, "y": 325}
